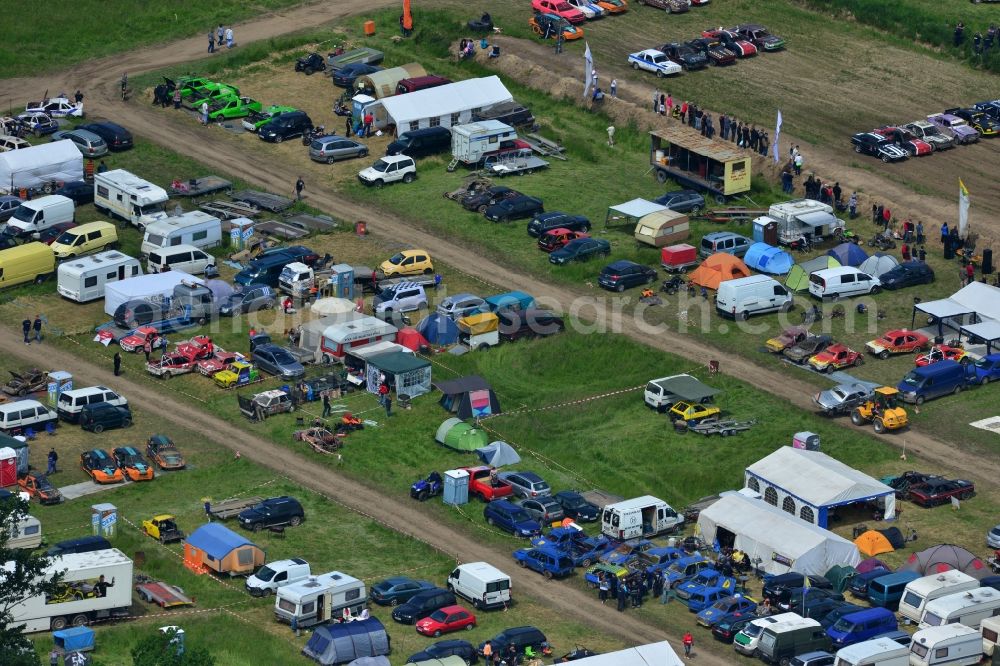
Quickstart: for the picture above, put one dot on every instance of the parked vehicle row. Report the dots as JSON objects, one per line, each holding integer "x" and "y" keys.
{"x": 939, "y": 131}
{"x": 716, "y": 47}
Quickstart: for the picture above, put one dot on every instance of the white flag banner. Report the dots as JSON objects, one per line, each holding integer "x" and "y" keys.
{"x": 588, "y": 66}
{"x": 777, "y": 135}
{"x": 963, "y": 209}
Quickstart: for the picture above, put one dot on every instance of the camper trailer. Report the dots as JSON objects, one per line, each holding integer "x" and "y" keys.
{"x": 128, "y": 197}
{"x": 876, "y": 652}
{"x": 27, "y": 534}
{"x": 642, "y": 517}
{"x": 319, "y": 599}
{"x": 969, "y": 608}
{"x": 801, "y": 217}
{"x": 338, "y": 339}
{"x": 951, "y": 644}
{"x": 662, "y": 228}
{"x": 471, "y": 143}
{"x": 989, "y": 629}
{"x": 83, "y": 279}
{"x": 923, "y": 590}
{"x": 195, "y": 228}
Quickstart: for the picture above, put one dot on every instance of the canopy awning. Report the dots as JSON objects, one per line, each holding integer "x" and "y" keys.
{"x": 988, "y": 331}
{"x": 632, "y": 210}
{"x": 688, "y": 388}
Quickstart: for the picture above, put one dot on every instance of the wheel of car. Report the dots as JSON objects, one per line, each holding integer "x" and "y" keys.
{"x": 860, "y": 360}
{"x": 408, "y": 177}
{"x": 879, "y": 426}
{"x": 958, "y": 389}
{"x": 830, "y": 369}
{"x": 331, "y": 160}
{"x": 295, "y": 521}
{"x": 482, "y": 347}
{"x": 635, "y": 66}
{"x": 309, "y": 71}
{"x": 522, "y": 564}
{"x": 394, "y": 601}
{"x": 659, "y": 73}
{"x": 547, "y": 574}
{"x": 695, "y": 210}
{"x": 57, "y": 623}
{"x": 884, "y": 354}
{"x": 966, "y": 495}
{"x": 885, "y": 158}
{"x": 744, "y": 315}
{"x": 920, "y": 400}
{"x": 279, "y": 139}
{"x": 326, "y": 359}
{"x": 167, "y": 375}
{"x": 489, "y": 521}
{"x": 379, "y": 183}
{"x": 787, "y": 306}
{"x": 421, "y": 305}
{"x": 437, "y": 633}
{"x": 126, "y": 423}
{"x": 258, "y": 527}
{"x": 661, "y": 176}
{"x": 98, "y": 429}
{"x": 876, "y": 289}
{"x": 470, "y": 627}
{"x": 428, "y": 271}
{"x": 784, "y": 661}
{"x": 620, "y": 288}
{"x": 476, "y": 603}
{"x": 985, "y": 381}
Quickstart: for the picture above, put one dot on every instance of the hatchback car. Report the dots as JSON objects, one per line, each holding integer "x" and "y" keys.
{"x": 398, "y": 590}
{"x": 515, "y": 208}
{"x": 580, "y": 249}
{"x": 841, "y": 399}
{"x": 331, "y": 148}
{"x": 442, "y": 649}
{"x": 682, "y": 201}
{"x": 543, "y": 509}
{"x": 80, "y": 191}
{"x": 907, "y": 274}
{"x": 446, "y": 620}
{"x": 557, "y": 238}
{"x": 423, "y": 604}
{"x": 115, "y": 136}
{"x": 131, "y": 462}
{"x": 285, "y": 126}
{"x": 575, "y": 506}
{"x": 526, "y": 484}
{"x": 163, "y": 452}
{"x": 104, "y": 416}
{"x": 407, "y": 262}
{"x": 277, "y": 361}
{"x": 546, "y": 222}
{"x": 89, "y": 144}
{"x": 993, "y": 537}
{"x": 249, "y": 299}
{"x": 8, "y": 204}
{"x": 457, "y": 306}
{"x": 272, "y": 512}
{"x": 624, "y": 274}
{"x": 519, "y": 637}
{"x": 348, "y": 74}
{"x": 511, "y": 518}
{"x": 546, "y": 560}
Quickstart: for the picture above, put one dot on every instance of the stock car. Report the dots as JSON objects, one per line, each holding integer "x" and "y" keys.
{"x": 560, "y": 8}
{"x": 759, "y": 36}
{"x": 256, "y": 119}
{"x": 942, "y": 352}
{"x": 930, "y": 133}
{"x": 38, "y": 122}
{"x": 979, "y": 120}
{"x": 131, "y": 462}
{"x": 906, "y": 140}
{"x": 714, "y": 49}
{"x": 687, "y": 57}
{"x": 876, "y": 145}
{"x": 234, "y": 107}
{"x": 836, "y": 357}
{"x": 589, "y": 9}
{"x": 897, "y": 341}
{"x": 740, "y": 47}
{"x": 654, "y": 61}
{"x": 991, "y": 108}
{"x": 101, "y": 467}
{"x": 613, "y": 6}
{"x": 540, "y": 23}
{"x": 940, "y": 491}
{"x": 956, "y": 127}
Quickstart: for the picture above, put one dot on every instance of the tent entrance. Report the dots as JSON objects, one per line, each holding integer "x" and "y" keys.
{"x": 725, "y": 538}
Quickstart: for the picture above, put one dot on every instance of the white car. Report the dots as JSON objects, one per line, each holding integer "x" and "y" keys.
{"x": 930, "y": 133}
{"x": 654, "y": 61}
{"x": 57, "y": 107}
{"x": 590, "y": 10}
{"x": 389, "y": 169}
{"x": 12, "y": 143}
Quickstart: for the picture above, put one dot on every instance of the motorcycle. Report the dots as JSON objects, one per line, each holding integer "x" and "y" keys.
{"x": 313, "y": 134}
{"x": 431, "y": 486}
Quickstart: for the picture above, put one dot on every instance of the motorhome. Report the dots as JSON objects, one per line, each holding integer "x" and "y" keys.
{"x": 923, "y": 590}
{"x": 83, "y": 279}
{"x": 800, "y": 218}
{"x": 195, "y": 228}
{"x": 320, "y": 599}
{"x": 642, "y": 517}
{"x": 970, "y": 608}
{"x": 340, "y": 338}
{"x": 128, "y": 197}
{"x": 951, "y": 644}
{"x": 876, "y": 652}
{"x": 27, "y": 534}
{"x": 471, "y": 143}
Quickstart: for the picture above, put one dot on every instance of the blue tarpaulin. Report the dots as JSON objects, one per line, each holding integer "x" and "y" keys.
{"x": 848, "y": 254}
{"x": 74, "y": 639}
{"x": 768, "y": 259}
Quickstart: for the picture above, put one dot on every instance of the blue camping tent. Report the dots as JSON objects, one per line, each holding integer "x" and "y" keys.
{"x": 438, "y": 329}
{"x": 848, "y": 254}
{"x": 341, "y": 643}
{"x": 768, "y": 259}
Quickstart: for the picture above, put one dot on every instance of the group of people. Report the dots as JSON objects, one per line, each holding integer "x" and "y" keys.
{"x": 824, "y": 192}
{"x": 32, "y": 329}
{"x": 630, "y": 589}
{"x": 219, "y": 36}
{"x": 981, "y": 44}
{"x": 728, "y": 128}
{"x": 510, "y": 656}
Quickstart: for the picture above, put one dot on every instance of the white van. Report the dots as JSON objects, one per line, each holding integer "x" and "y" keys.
{"x": 842, "y": 282}
{"x": 989, "y": 629}
{"x": 17, "y": 416}
{"x": 746, "y": 641}
{"x": 969, "y": 608}
{"x": 271, "y": 576}
{"x": 196, "y": 228}
{"x": 27, "y": 534}
{"x": 755, "y": 294}
{"x": 83, "y": 279}
{"x": 72, "y": 402}
{"x": 951, "y": 644}
{"x": 186, "y": 258}
{"x": 481, "y": 583}
{"x": 642, "y": 517}
{"x": 40, "y": 214}
{"x": 922, "y": 590}
{"x": 128, "y": 197}
{"x": 876, "y": 652}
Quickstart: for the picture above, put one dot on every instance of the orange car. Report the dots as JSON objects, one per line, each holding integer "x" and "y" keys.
{"x": 539, "y": 22}
{"x": 39, "y": 487}
{"x": 101, "y": 467}
{"x": 133, "y": 464}
{"x": 613, "y": 6}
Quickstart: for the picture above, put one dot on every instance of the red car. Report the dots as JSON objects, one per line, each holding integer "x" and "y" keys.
{"x": 487, "y": 489}
{"x": 942, "y": 352}
{"x": 741, "y": 48}
{"x": 940, "y": 491}
{"x": 49, "y": 236}
{"x": 559, "y": 8}
{"x": 219, "y": 360}
{"x": 445, "y": 620}
{"x": 906, "y": 140}
{"x": 898, "y": 341}
{"x": 136, "y": 340}
{"x": 557, "y": 238}
{"x": 836, "y": 357}
{"x": 199, "y": 347}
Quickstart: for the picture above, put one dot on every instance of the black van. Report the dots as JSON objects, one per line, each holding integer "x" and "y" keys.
{"x": 423, "y": 604}
{"x": 82, "y": 545}
{"x": 421, "y": 142}
{"x": 104, "y": 416}
{"x": 285, "y": 126}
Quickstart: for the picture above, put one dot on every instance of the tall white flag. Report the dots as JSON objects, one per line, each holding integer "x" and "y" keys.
{"x": 777, "y": 135}
{"x": 588, "y": 60}
{"x": 963, "y": 209}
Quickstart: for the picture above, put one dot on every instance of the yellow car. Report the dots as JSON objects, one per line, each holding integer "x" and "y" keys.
{"x": 84, "y": 239}
{"x": 237, "y": 374}
{"x": 162, "y": 528}
{"x": 407, "y": 262}
{"x": 692, "y": 412}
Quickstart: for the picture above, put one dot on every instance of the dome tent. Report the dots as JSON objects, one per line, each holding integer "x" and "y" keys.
{"x": 798, "y": 277}
{"x": 438, "y": 329}
{"x": 498, "y": 454}
{"x": 878, "y": 264}
{"x": 717, "y": 269}
{"x": 871, "y": 564}
{"x": 840, "y": 576}
{"x": 848, "y": 254}
{"x": 326, "y": 307}
{"x": 461, "y": 436}
{"x": 873, "y": 543}
{"x": 412, "y": 339}
{"x": 768, "y": 259}
{"x": 943, "y": 557}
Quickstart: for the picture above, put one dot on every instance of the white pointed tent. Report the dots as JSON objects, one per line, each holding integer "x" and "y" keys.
{"x": 33, "y": 167}
{"x": 808, "y": 484}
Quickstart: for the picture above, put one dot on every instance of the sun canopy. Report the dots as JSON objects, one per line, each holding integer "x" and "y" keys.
{"x": 498, "y": 454}
{"x": 848, "y": 254}
{"x": 461, "y": 436}
{"x": 873, "y": 543}
{"x": 778, "y": 541}
{"x": 978, "y": 301}
{"x": 438, "y": 329}
{"x": 634, "y": 209}
{"x": 987, "y": 331}
{"x": 798, "y": 277}
{"x": 768, "y": 259}
{"x": 33, "y": 167}
{"x": 810, "y": 483}
{"x": 717, "y": 269}
{"x": 687, "y": 388}
{"x": 878, "y": 264}
{"x": 941, "y": 558}
{"x": 468, "y": 397}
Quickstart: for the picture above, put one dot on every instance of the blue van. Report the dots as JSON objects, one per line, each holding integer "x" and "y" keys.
{"x": 888, "y": 590}
{"x": 512, "y": 300}
{"x": 934, "y": 381}
{"x": 861, "y": 626}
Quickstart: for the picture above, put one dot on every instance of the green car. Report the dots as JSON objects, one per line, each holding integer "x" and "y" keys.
{"x": 189, "y": 85}
{"x": 229, "y": 107}
{"x": 212, "y": 93}
{"x": 256, "y": 118}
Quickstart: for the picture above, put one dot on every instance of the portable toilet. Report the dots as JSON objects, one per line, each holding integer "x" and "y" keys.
{"x": 59, "y": 382}
{"x": 20, "y": 446}
{"x": 805, "y": 440}
{"x": 240, "y": 232}
{"x": 342, "y": 280}
{"x": 358, "y": 104}
{"x": 8, "y": 467}
{"x": 456, "y": 487}
{"x": 765, "y": 230}
{"x": 103, "y": 519}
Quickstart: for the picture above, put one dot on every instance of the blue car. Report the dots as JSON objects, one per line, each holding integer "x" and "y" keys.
{"x": 582, "y": 549}
{"x": 684, "y": 569}
{"x": 511, "y": 518}
{"x": 987, "y": 369}
{"x": 724, "y": 607}
{"x": 397, "y": 590}
{"x": 704, "y": 597}
{"x": 626, "y": 552}
{"x": 656, "y": 560}
{"x": 706, "y": 578}
{"x": 546, "y": 560}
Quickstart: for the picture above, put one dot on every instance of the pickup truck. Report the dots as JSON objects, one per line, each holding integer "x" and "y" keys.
{"x": 482, "y": 487}
{"x": 582, "y": 549}
{"x": 267, "y": 403}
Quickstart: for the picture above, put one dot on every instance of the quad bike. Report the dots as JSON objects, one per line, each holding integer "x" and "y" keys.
{"x": 845, "y": 236}
{"x": 672, "y": 286}
{"x": 431, "y": 486}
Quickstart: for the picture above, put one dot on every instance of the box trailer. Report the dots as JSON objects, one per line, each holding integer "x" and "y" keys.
{"x": 124, "y": 195}
{"x": 320, "y": 599}
{"x": 84, "y": 279}
{"x": 641, "y": 517}
{"x": 95, "y": 586}
{"x": 340, "y": 338}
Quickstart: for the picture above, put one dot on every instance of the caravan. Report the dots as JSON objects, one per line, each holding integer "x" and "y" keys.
{"x": 989, "y": 629}
{"x": 126, "y": 196}
{"x": 27, "y": 534}
{"x": 969, "y": 608}
{"x": 951, "y": 644}
{"x": 320, "y": 599}
{"x": 195, "y": 228}
{"x": 800, "y": 218}
{"x": 923, "y": 590}
{"x": 83, "y": 280}
{"x": 642, "y": 517}
{"x": 339, "y": 339}
{"x": 876, "y": 652}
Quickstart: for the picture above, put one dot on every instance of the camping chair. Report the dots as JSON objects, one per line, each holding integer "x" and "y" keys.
{"x": 495, "y": 52}
{"x": 713, "y": 367}
{"x": 30, "y": 434}
{"x": 277, "y": 530}
{"x": 50, "y": 428}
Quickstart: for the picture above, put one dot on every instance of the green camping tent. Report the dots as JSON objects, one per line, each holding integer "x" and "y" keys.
{"x": 798, "y": 277}
{"x": 461, "y": 436}
{"x": 840, "y": 576}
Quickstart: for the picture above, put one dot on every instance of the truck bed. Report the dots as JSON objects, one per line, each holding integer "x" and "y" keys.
{"x": 230, "y": 508}
{"x": 163, "y": 594}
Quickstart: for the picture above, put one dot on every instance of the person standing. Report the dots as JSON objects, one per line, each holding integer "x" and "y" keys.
{"x": 688, "y": 641}
{"x": 593, "y": 76}
{"x": 37, "y": 327}
{"x": 560, "y": 41}
{"x": 622, "y": 596}
{"x": 669, "y": 102}
{"x": 944, "y": 233}
{"x": 147, "y": 349}
{"x": 220, "y": 34}
{"x": 959, "y": 34}
{"x": 488, "y": 653}
{"x": 118, "y": 364}
{"x": 723, "y": 126}
{"x": 920, "y": 232}
{"x": 78, "y": 97}
{"x": 230, "y": 41}
{"x": 299, "y": 186}
{"x": 211, "y": 42}
{"x": 970, "y": 273}
{"x": 656, "y": 100}
{"x": 684, "y": 110}
{"x": 852, "y": 205}
{"x": 26, "y": 329}
{"x": 327, "y": 409}
{"x": 52, "y": 460}
{"x": 614, "y": 90}
{"x": 611, "y": 135}
{"x": 204, "y": 113}
{"x": 886, "y": 218}
{"x": 837, "y": 192}
{"x": 798, "y": 164}
{"x": 603, "y": 588}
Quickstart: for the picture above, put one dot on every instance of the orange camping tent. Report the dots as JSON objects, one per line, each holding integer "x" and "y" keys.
{"x": 717, "y": 269}
{"x": 873, "y": 543}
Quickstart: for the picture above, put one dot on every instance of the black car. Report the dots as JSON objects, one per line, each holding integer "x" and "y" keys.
{"x": 8, "y": 240}
{"x": 442, "y": 649}
{"x": 876, "y": 145}
{"x": 79, "y": 191}
{"x": 398, "y": 590}
{"x": 624, "y": 274}
{"x": 580, "y": 249}
{"x": 725, "y": 630}
{"x": 907, "y": 274}
{"x": 103, "y": 416}
{"x": 511, "y": 113}
{"x": 576, "y": 654}
{"x": 685, "y": 56}
{"x": 480, "y": 201}
{"x": 285, "y": 126}
{"x": 714, "y": 50}
{"x": 272, "y": 512}
{"x": 860, "y": 581}
{"x": 515, "y": 208}
{"x": 530, "y": 323}
{"x": 519, "y": 637}
{"x": 774, "y": 585}
{"x": 348, "y": 74}
{"x": 576, "y": 507}
{"x": 979, "y": 120}
{"x": 806, "y": 349}
{"x": 423, "y": 604}
{"x": 116, "y": 136}
{"x": 682, "y": 201}
{"x": 311, "y": 63}
{"x": 546, "y": 222}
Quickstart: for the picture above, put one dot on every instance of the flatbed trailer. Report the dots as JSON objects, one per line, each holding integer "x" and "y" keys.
{"x": 199, "y": 187}
{"x": 423, "y": 280}
{"x": 162, "y": 594}
{"x": 263, "y": 200}
{"x": 723, "y": 428}
{"x": 520, "y": 162}
{"x": 230, "y": 508}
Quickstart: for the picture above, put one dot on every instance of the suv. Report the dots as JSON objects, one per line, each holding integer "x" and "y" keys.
{"x": 98, "y": 418}
{"x": 457, "y": 306}
{"x": 115, "y": 136}
{"x": 285, "y": 126}
{"x": 624, "y": 274}
{"x": 519, "y": 637}
{"x": 389, "y": 169}
{"x": 272, "y": 512}
{"x": 546, "y": 222}
{"x": 526, "y": 484}
{"x": 512, "y": 518}
{"x": 331, "y": 148}
{"x": 514, "y": 208}
{"x": 402, "y": 297}
{"x": 682, "y": 201}
{"x": 442, "y": 649}
{"x": 422, "y": 604}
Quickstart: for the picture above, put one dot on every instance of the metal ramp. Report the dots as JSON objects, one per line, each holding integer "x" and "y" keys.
{"x": 263, "y": 200}
{"x": 544, "y": 146}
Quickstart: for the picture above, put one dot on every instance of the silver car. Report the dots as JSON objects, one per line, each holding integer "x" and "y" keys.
{"x": 8, "y": 204}
{"x": 543, "y": 509}
{"x": 526, "y": 484}
{"x": 250, "y": 299}
{"x": 457, "y": 306}
{"x": 993, "y": 537}
{"x": 841, "y": 398}
{"x": 331, "y": 148}
{"x": 277, "y": 361}
{"x": 86, "y": 141}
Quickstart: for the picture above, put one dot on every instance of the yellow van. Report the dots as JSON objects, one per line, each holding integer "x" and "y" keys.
{"x": 84, "y": 239}
{"x": 24, "y": 263}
